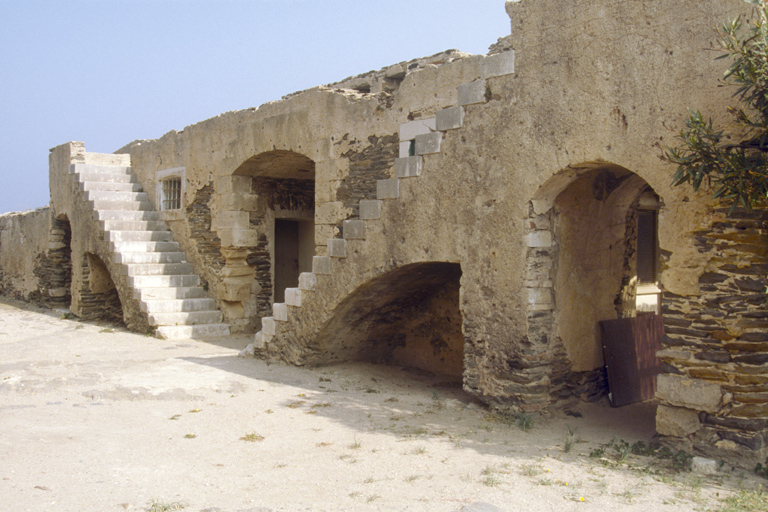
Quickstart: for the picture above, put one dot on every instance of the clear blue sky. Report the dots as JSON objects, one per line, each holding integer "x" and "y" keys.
{"x": 107, "y": 72}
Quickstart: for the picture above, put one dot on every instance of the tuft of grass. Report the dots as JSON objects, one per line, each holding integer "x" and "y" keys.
{"x": 373, "y": 497}
{"x": 530, "y": 469}
{"x": 571, "y": 438}
{"x": 159, "y": 506}
{"x": 190, "y": 436}
{"x": 745, "y": 501}
{"x": 252, "y": 437}
{"x": 296, "y": 404}
{"x": 107, "y": 329}
{"x": 420, "y": 450}
{"x": 356, "y": 445}
{"x": 524, "y": 421}
{"x": 324, "y": 404}
{"x": 175, "y": 417}
{"x": 369, "y": 480}
{"x": 412, "y": 478}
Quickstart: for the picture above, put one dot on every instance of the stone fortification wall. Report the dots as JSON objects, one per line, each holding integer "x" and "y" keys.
{"x": 25, "y": 268}
{"x": 713, "y": 389}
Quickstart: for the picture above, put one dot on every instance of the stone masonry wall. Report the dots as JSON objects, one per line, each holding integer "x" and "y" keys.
{"x": 713, "y": 389}
{"x": 199, "y": 218}
{"x": 54, "y": 269}
{"x": 374, "y": 162}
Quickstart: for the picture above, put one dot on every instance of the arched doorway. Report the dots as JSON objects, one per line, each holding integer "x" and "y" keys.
{"x": 283, "y": 215}
{"x": 407, "y": 317}
{"x": 592, "y": 245}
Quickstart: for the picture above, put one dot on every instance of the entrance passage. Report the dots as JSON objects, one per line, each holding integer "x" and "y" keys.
{"x": 294, "y": 248}
{"x": 407, "y": 317}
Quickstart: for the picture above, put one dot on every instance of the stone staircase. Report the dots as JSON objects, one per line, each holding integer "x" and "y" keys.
{"x": 151, "y": 264}
{"x": 417, "y": 138}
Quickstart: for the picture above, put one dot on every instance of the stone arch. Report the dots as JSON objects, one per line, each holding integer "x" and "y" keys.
{"x": 409, "y": 317}
{"x": 98, "y": 298}
{"x": 581, "y": 266}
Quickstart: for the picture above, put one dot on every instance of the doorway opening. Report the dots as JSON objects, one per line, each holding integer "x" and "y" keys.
{"x": 294, "y": 248}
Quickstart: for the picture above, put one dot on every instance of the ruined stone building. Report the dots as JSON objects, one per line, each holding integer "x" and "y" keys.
{"x": 474, "y": 216}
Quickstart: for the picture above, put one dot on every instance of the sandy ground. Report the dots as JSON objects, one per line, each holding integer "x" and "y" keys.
{"x": 99, "y": 419}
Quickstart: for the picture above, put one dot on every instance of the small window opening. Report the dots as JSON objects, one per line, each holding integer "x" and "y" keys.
{"x": 171, "y": 194}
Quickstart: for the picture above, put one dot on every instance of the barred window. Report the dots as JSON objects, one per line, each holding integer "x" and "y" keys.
{"x": 171, "y": 198}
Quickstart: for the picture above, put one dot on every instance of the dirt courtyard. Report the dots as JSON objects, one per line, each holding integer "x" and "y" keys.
{"x": 94, "y": 418}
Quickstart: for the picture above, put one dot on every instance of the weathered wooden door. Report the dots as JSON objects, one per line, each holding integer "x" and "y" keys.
{"x": 629, "y": 348}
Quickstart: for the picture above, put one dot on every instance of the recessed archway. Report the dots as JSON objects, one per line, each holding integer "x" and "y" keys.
{"x": 583, "y": 262}
{"x": 407, "y": 317}
{"x": 284, "y": 182}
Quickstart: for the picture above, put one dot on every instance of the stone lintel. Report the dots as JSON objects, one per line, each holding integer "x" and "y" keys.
{"x": 409, "y": 130}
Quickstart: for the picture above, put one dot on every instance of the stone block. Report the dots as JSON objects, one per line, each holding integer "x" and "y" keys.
{"x": 323, "y": 233}
{"x": 388, "y": 189}
{"x": 498, "y": 65}
{"x": 337, "y": 247}
{"x": 268, "y": 326}
{"x": 239, "y": 202}
{"x": 428, "y": 143}
{"x": 293, "y": 297}
{"x": 370, "y": 209}
{"x": 450, "y": 118}
{"x": 409, "y": 130}
{"x": 471, "y": 93}
{"x": 238, "y": 271}
{"x": 233, "y": 184}
{"x": 540, "y": 296}
{"x": 238, "y": 237}
{"x": 233, "y": 289}
{"x": 689, "y": 393}
{"x": 539, "y": 239}
{"x": 676, "y": 422}
{"x": 408, "y": 166}
{"x": 405, "y": 149}
{"x": 704, "y": 466}
{"x": 231, "y": 220}
{"x": 328, "y": 213}
{"x": 321, "y": 264}
{"x": 353, "y": 230}
{"x": 58, "y": 292}
{"x": 395, "y": 71}
{"x": 280, "y": 312}
{"x": 307, "y": 281}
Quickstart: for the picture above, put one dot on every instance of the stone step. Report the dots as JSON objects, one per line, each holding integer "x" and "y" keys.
{"x": 102, "y": 204}
{"x": 125, "y": 215}
{"x": 137, "y": 236}
{"x": 156, "y": 269}
{"x": 188, "y": 318}
{"x": 144, "y": 246}
{"x": 169, "y": 292}
{"x": 86, "y": 177}
{"x": 113, "y": 195}
{"x": 173, "y": 332}
{"x": 114, "y": 186}
{"x": 178, "y": 305}
{"x": 101, "y": 169}
{"x": 144, "y": 281}
{"x": 133, "y": 225}
{"x": 149, "y": 257}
